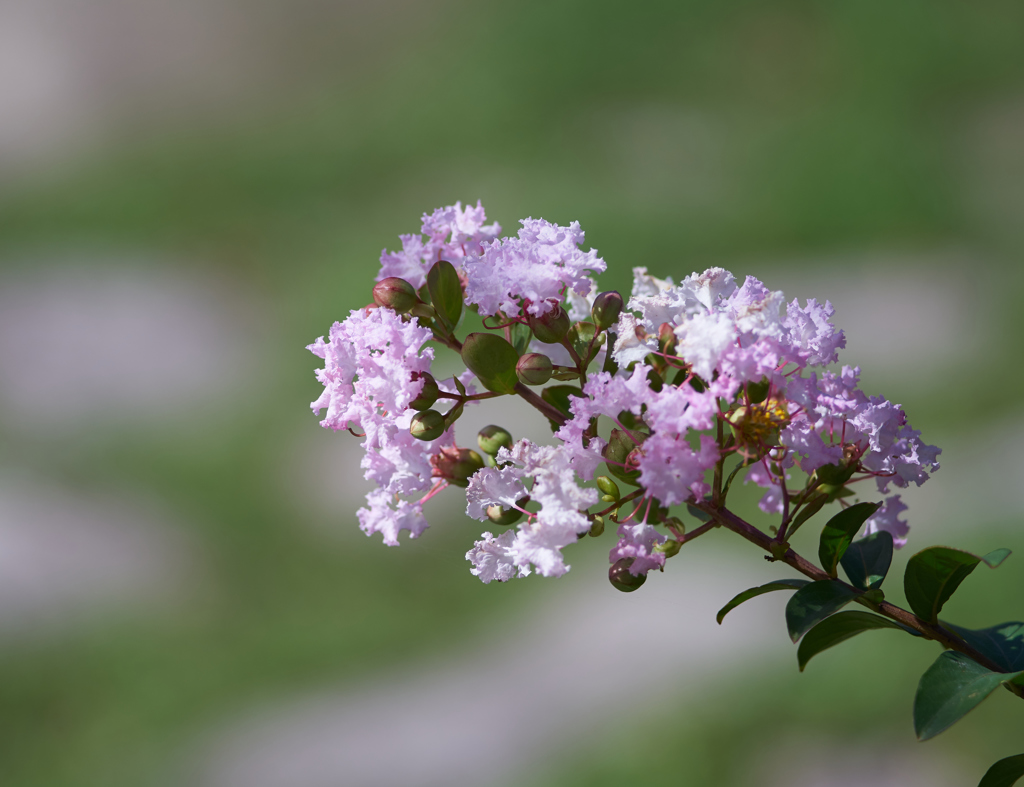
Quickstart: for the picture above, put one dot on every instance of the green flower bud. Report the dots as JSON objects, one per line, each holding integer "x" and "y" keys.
{"x": 608, "y": 487}
{"x": 550, "y": 328}
{"x": 395, "y": 293}
{"x": 620, "y": 577}
{"x": 427, "y": 425}
{"x": 597, "y": 527}
{"x": 503, "y": 516}
{"x": 534, "y": 369}
{"x": 491, "y": 438}
{"x": 667, "y": 339}
{"x": 456, "y": 465}
{"x": 428, "y": 394}
{"x": 669, "y": 548}
{"x": 606, "y": 309}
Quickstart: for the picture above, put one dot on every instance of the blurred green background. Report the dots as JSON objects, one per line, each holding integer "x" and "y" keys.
{"x": 193, "y": 192}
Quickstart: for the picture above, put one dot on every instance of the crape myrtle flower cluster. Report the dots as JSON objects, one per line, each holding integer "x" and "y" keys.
{"x": 661, "y": 391}
{"x": 657, "y": 404}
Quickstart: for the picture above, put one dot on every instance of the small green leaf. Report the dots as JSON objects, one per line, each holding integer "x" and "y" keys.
{"x": 839, "y": 628}
{"x": 867, "y": 561}
{"x": 835, "y": 475}
{"x": 934, "y": 574}
{"x": 951, "y": 687}
{"x": 620, "y": 445}
{"x": 746, "y": 595}
{"x": 1003, "y": 644}
{"x": 815, "y": 602}
{"x": 559, "y": 397}
{"x": 492, "y": 360}
{"x": 812, "y": 508}
{"x": 1004, "y": 773}
{"x": 521, "y": 337}
{"x": 445, "y": 292}
{"x": 838, "y": 534}
{"x": 696, "y": 513}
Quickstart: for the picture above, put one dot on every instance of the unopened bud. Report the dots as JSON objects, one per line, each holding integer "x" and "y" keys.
{"x": 620, "y": 577}
{"x": 551, "y": 327}
{"x": 608, "y": 487}
{"x": 503, "y": 516}
{"x": 669, "y": 548}
{"x": 394, "y": 293}
{"x": 667, "y": 339}
{"x": 456, "y": 465}
{"x": 428, "y": 393}
{"x": 492, "y": 438}
{"x": 534, "y": 369}
{"x": 427, "y": 425}
{"x": 597, "y": 526}
{"x": 606, "y": 309}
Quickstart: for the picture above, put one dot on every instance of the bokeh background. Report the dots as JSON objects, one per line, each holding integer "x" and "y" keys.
{"x": 192, "y": 191}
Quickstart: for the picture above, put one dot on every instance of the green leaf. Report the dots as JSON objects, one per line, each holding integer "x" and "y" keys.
{"x": 1003, "y": 644}
{"x": 702, "y": 516}
{"x": 815, "y": 602}
{"x": 934, "y": 574}
{"x": 951, "y": 687}
{"x": 616, "y": 452}
{"x": 1004, "y": 773}
{"x": 812, "y": 508}
{"x": 746, "y": 595}
{"x": 492, "y": 360}
{"x": 521, "y": 337}
{"x": 867, "y": 561}
{"x": 559, "y": 396}
{"x": 838, "y": 534}
{"x": 839, "y": 628}
{"x": 835, "y": 475}
{"x": 445, "y": 292}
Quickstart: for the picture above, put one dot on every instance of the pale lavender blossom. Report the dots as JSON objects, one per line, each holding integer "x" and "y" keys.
{"x": 494, "y": 558}
{"x": 638, "y": 541}
{"x": 539, "y": 265}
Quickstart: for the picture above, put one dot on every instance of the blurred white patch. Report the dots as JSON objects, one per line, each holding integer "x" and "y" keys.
{"x": 67, "y": 556}
{"x": 585, "y": 660}
{"x": 81, "y": 344}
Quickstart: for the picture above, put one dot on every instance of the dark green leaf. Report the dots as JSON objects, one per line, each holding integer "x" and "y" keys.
{"x": 492, "y": 360}
{"x": 445, "y": 292}
{"x": 696, "y": 513}
{"x": 815, "y": 602}
{"x": 620, "y": 445}
{"x": 1004, "y": 773}
{"x": 580, "y": 336}
{"x": 934, "y": 574}
{"x": 812, "y": 508}
{"x": 950, "y": 688}
{"x": 838, "y": 534}
{"x": 559, "y": 397}
{"x": 835, "y": 474}
{"x": 1003, "y": 644}
{"x": 867, "y": 561}
{"x": 746, "y": 595}
{"x": 839, "y": 628}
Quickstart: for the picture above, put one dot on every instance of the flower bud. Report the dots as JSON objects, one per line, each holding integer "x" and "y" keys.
{"x": 597, "y": 526}
{"x": 534, "y": 369}
{"x": 427, "y": 425}
{"x": 620, "y": 577}
{"x": 667, "y": 339}
{"x": 503, "y": 516}
{"x": 491, "y": 438}
{"x": 550, "y": 328}
{"x": 395, "y": 293}
{"x": 606, "y": 309}
{"x": 608, "y": 487}
{"x": 428, "y": 394}
{"x": 456, "y": 465}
